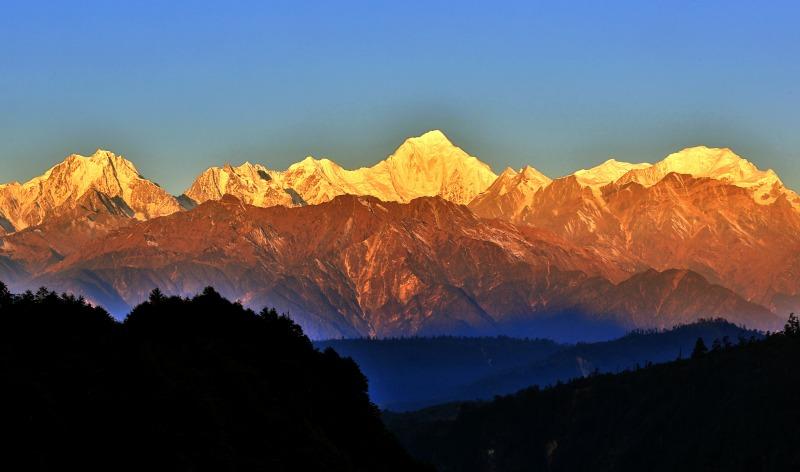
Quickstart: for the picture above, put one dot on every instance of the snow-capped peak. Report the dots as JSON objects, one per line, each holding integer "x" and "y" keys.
{"x": 65, "y": 184}
{"x": 434, "y": 136}
{"x": 253, "y": 184}
{"x": 426, "y": 165}
{"x": 510, "y": 193}
{"x": 507, "y": 173}
{"x": 605, "y": 173}
{"x": 108, "y": 172}
{"x": 308, "y": 163}
{"x": 716, "y": 163}
{"x": 701, "y": 161}
{"x": 532, "y": 174}
{"x": 431, "y": 165}
{"x": 312, "y": 164}
{"x": 431, "y": 147}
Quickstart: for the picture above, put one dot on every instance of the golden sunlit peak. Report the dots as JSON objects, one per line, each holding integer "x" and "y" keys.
{"x": 509, "y": 172}
{"x": 103, "y": 152}
{"x": 531, "y": 173}
{"x": 434, "y": 135}
{"x": 607, "y": 172}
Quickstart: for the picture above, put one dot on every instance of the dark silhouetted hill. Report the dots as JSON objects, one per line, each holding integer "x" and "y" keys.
{"x": 731, "y": 408}
{"x": 183, "y": 384}
{"x": 412, "y": 373}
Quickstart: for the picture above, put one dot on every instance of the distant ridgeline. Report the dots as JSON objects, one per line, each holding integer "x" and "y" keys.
{"x": 726, "y": 408}
{"x": 428, "y": 241}
{"x": 182, "y": 384}
{"x": 412, "y": 373}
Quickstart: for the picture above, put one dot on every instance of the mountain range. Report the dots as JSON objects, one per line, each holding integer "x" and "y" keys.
{"x": 427, "y": 241}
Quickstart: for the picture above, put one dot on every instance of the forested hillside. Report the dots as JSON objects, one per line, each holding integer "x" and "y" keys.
{"x": 413, "y": 373}
{"x": 183, "y": 384}
{"x": 727, "y": 408}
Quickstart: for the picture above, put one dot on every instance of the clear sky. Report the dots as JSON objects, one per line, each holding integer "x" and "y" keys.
{"x": 180, "y": 86}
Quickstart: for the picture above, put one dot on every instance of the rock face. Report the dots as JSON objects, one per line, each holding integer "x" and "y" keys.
{"x": 61, "y": 189}
{"x": 720, "y": 216}
{"x": 607, "y": 172}
{"x": 357, "y": 266}
{"x": 34, "y": 249}
{"x": 716, "y": 229}
{"x": 719, "y": 164}
{"x": 429, "y": 165}
{"x": 510, "y": 193}
{"x": 252, "y": 184}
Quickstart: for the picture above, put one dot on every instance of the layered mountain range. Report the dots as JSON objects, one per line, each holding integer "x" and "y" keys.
{"x": 427, "y": 241}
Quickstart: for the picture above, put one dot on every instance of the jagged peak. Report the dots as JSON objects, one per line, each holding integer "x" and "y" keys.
{"x": 722, "y": 161}
{"x": 312, "y": 164}
{"x": 508, "y": 172}
{"x": 101, "y": 153}
{"x": 248, "y": 167}
{"x": 102, "y": 157}
{"x": 607, "y": 172}
{"x": 433, "y": 136}
{"x": 243, "y": 170}
{"x": 531, "y": 173}
{"x": 435, "y": 140}
{"x": 703, "y": 161}
{"x": 86, "y": 169}
{"x": 434, "y": 149}
{"x": 78, "y": 179}
{"x": 98, "y": 156}
{"x": 721, "y": 164}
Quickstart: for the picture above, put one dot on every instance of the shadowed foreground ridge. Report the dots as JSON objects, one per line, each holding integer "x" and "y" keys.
{"x": 728, "y": 408}
{"x": 181, "y": 384}
{"x": 413, "y": 373}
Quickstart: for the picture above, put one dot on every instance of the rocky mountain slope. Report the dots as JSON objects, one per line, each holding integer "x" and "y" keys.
{"x": 63, "y": 188}
{"x": 607, "y": 172}
{"x": 719, "y": 164}
{"x": 701, "y": 209}
{"x": 357, "y": 266}
{"x": 389, "y": 250}
{"x": 510, "y": 193}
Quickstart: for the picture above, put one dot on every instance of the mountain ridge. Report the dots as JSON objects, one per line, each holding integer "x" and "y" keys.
{"x": 427, "y": 165}
{"x": 63, "y": 185}
{"x": 410, "y": 259}
{"x": 358, "y": 266}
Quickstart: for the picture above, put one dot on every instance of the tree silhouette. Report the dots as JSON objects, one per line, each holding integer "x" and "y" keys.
{"x": 156, "y": 296}
{"x": 736, "y": 411}
{"x": 5, "y": 295}
{"x": 792, "y": 327}
{"x": 700, "y": 348}
{"x": 182, "y": 384}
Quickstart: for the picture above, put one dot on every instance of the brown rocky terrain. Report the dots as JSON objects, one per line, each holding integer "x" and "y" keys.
{"x": 360, "y": 266}
{"x": 625, "y": 245}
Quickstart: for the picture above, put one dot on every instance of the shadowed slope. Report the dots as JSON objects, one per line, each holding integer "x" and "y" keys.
{"x": 183, "y": 384}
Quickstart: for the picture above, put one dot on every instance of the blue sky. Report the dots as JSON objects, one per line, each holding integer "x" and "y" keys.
{"x": 180, "y": 86}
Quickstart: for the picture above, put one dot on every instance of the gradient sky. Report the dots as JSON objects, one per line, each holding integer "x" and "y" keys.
{"x": 179, "y": 86}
